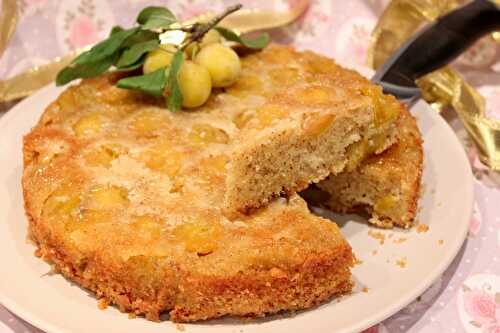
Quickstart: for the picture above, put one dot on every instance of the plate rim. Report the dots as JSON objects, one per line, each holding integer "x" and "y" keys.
{"x": 46, "y": 325}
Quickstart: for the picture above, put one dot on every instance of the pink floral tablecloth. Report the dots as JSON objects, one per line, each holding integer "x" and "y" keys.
{"x": 466, "y": 298}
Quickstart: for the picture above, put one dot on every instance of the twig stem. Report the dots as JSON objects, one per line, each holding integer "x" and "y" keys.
{"x": 198, "y": 30}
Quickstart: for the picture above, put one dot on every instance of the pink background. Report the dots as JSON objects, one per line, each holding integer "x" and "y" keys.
{"x": 467, "y": 297}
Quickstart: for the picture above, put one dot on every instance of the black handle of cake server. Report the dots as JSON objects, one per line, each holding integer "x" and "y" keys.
{"x": 440, "y": 42}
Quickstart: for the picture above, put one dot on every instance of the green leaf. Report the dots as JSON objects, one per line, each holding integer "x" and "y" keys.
{"x": 133, "y": 66}
{"x": 257, "y": 43}
{"x": 115, "y": 29}
{"x": 139, "y": 37}
{"x": 152, "y": 83}
{"x": 84, "y": 70}
{"x": 155, "y": 17}
{"x": 152, "y": 11}
{"x": 174, "y": 99}
{"x": 105, "y": 48}
{"x": 134, "y": 53}
{"x": 157, "y": 22}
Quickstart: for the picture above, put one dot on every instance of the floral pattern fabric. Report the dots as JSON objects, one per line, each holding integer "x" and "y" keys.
{"x": 466, "y": 298}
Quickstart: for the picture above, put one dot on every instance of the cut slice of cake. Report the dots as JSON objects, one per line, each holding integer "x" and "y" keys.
{"x": 295, "y": 115}
{"x": 127, "y": 199}
{"x": 386, "y": 186}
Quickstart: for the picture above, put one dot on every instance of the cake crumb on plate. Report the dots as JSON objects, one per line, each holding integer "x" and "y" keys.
{"x": 377, "y": 235}
{"x": 357, "y": 261}
{"x": 401, "y": 262}
{"x": 422, "y": 227}
{"x": 400, "y": 240}
{"x": 102, "y": 304}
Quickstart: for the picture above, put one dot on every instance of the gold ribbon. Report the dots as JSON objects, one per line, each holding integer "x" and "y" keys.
{"x": 24, "y": 84}
{"x": 444, "y": 87}
{"x": 28, "y": 82}
{"x": 8, "y": 22}
{"x": 250, "y": 20}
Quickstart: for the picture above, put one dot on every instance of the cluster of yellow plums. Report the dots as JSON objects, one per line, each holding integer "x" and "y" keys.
{"x": 208, "y": 64}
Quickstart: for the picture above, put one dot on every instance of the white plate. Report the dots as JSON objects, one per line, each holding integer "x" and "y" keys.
{"x": 52, "y": 303}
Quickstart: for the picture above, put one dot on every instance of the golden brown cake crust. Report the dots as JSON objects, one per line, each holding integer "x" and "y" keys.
{"x": 127, "y": 199}
{"x": 387, "y": 186}
{"x": 151, "y": 285}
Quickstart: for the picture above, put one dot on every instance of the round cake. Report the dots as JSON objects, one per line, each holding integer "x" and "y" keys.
{"x": 126, "y": 198}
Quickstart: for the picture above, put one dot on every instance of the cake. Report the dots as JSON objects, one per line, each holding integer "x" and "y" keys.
{"x": 297, "y": 114}
{"x": 133, "y": 202}
{"x": 386, "y": 186}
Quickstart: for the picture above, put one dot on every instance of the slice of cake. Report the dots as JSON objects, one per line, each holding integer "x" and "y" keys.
{"x": 127, "y": 199}
{"x": 386, "y": 186}
{"x": 294, "y": 116}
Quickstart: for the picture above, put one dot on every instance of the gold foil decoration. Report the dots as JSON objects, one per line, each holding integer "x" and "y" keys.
{"x": 398, "y": 22}
{"x": 448, "y": 88}
{"x": 441, "y": 88}
{"x": 250, "y": 20}
{"x": 26, "y": 83}
{"x": 8, "y": 22}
